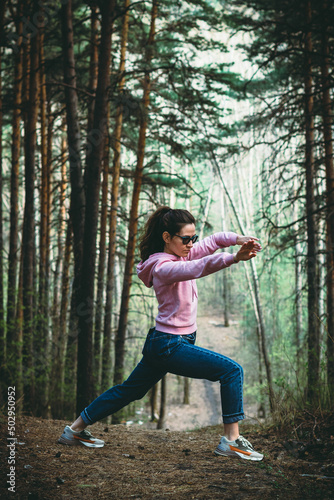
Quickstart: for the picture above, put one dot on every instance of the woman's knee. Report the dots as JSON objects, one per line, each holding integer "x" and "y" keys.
{"x": 235, "y": 373}
{"x": 238, "y": 370}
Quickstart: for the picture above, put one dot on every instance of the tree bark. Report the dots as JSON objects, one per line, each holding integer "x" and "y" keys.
{"x": 14, "y": 192}
{"x": 298, "y": 291}
{"x": 133, "y": 225}
{"x": 329, "y": 165}
{"x": 2, "y": 312}
{"x": 312, "y": 274}
{"x": 43, "y": 330}
{"x": 116, "y": 145}
{"x": 77, "y": 204}
{"x": 60, "y": 345}
{"x": 28, "y": 238}
{"x": 163, "y": 400}
{"x": 93, "y": 63}
{"x": 60, "y": 289}
{"x": 19, "y": 393}
{"x": 61, "y": 225}
{"x": 153, "y": 402}
{"x": 186, "y": 391}
{"x": 98, "y": 337}
{"x": 96, "y": 139}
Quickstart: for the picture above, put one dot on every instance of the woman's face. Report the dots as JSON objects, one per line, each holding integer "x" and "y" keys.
{"x": 174, "y": 245}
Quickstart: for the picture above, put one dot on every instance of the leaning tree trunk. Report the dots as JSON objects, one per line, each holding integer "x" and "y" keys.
{"x": 206, "y": 209}
{"x": 312, "y": 275}
{"x": 255, "y": 291}
{"x": 85, "y": 390}
{"x": 225, "y": 276}
{"x": 133, "y": 225}
{"x": 329, "y": 165}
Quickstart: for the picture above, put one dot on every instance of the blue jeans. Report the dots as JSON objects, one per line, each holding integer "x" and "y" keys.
{"x": 163, "y": 353}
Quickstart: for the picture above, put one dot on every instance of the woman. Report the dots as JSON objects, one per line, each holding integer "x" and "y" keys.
{"x": 171, "y": 262}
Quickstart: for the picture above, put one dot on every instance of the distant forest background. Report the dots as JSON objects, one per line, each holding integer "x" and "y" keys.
{"x": 110, "y": 108}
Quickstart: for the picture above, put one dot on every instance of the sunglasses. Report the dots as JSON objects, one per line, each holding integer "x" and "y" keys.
{"x": 187, "y": 239}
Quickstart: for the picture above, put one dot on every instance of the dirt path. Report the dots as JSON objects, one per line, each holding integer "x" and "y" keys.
{"x": 205, "y": 408}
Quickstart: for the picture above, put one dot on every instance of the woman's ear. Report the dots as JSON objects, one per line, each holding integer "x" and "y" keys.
{"x": 166, "y": 236}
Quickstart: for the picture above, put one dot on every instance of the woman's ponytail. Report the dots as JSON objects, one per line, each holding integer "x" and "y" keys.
{"x": 163, "y": 219}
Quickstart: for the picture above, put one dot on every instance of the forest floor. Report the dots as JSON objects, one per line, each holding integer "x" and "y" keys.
{"x": 177, "y": 462}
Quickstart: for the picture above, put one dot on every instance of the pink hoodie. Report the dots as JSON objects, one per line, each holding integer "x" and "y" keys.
{"x": 173, "y": 280}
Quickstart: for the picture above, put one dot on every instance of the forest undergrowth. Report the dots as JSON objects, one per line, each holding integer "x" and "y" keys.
{"x": 139, "y": 463}
{"x": 177, "y": 462}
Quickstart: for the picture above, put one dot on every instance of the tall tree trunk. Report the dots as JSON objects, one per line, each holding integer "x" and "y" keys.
{"x": 116, "y": 145}
{"x": 163, "y": 401}
{"x": 153, "y": 402}
{"x": 43, "y": 330}
{"x": 96, "y": 138}
{"x": 60, "y": 344}
{"x": 328, "y": 144}
{"x": 312, "y": 275}
{"x": 2, "y": 315}
{"x": 93, "y": 76}
{"x": 18, "y": 339}
{"x": 2, "y": 12}
{"x": 14, "y": 194}
{"x": 28, "y": 238}
{"x": 98, "y": 337}
{"x": 77, "y": 204}
{"x": 60, "y": 288}
{"x": 61, "y": 225}
{"x": 298, "y": 290}
{"x": 133, "y": 224}
{"x": 93, "y": 63}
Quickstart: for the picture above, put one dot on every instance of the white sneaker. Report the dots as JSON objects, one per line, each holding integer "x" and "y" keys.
{"x": 239, "y": 448}
{"x": 84, "y": 437}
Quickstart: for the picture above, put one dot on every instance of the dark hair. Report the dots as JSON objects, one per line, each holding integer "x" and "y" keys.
{"x": 163, "y": 219}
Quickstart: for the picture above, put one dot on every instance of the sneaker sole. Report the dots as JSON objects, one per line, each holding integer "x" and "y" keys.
{"x": 235, "y": 454}
{"x": 68, "y": 442}
{"x": 78, "y": 442}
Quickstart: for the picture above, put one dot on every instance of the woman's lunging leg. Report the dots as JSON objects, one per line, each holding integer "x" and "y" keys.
{"x": 143, "y": 377}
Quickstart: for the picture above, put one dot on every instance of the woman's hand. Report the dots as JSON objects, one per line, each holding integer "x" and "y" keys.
{"x": 243, "y": 239}
{"x": 248, "y": 249}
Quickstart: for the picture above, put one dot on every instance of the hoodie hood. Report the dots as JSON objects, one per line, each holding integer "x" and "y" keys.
{"x": 145, "y": 269}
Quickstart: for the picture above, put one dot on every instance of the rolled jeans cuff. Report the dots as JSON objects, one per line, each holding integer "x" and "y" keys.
{"x": 85, "y": 417}
{"x": 230, "y": 419}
